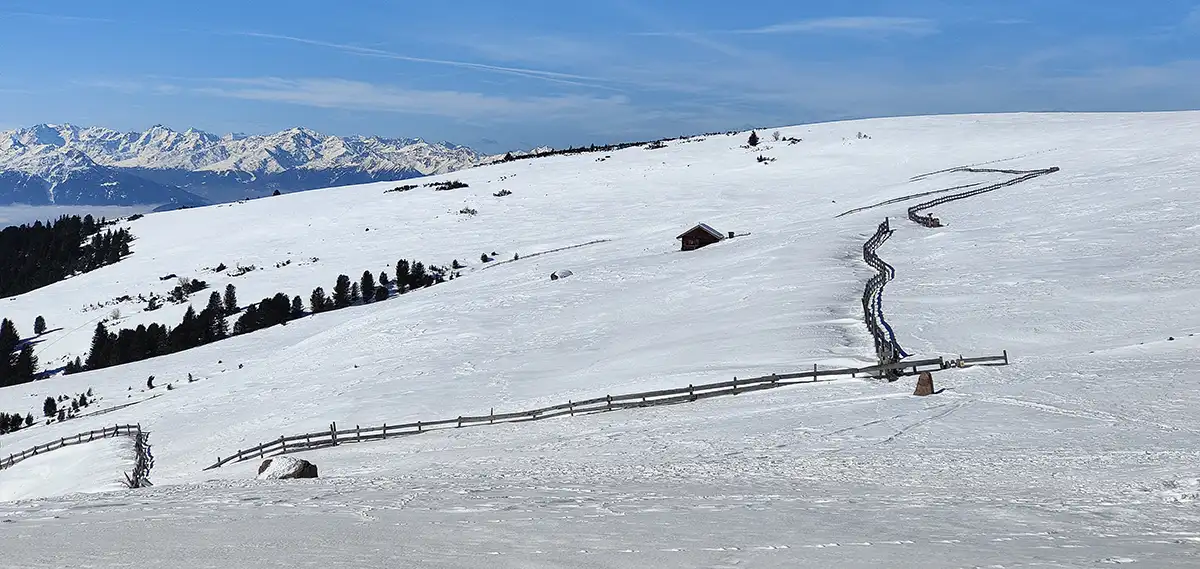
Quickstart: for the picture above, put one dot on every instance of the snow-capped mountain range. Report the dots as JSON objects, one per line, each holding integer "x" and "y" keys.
{"x": 66, "y": 164}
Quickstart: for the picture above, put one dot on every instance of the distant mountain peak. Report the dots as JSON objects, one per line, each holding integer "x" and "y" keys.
{"x": 292, "y": 160}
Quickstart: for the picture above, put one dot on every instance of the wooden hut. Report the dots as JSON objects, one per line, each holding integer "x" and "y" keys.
{"x": 700, "y": 236}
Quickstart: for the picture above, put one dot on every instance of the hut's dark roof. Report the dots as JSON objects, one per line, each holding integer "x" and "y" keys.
{"x": 703, "y": 227}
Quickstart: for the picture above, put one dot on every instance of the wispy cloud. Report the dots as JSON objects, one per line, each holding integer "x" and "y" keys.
{"x": 56, "y": 18}
{"x": 539, "y": 74}
{"x": 363, "y": 96}
{"x": 1192, "y": 21}
{"x": 857, "y": 24}
{"x": 848, "y": 24}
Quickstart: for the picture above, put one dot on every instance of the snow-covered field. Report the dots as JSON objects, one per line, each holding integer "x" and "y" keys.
{"x": 1083, "y": 453}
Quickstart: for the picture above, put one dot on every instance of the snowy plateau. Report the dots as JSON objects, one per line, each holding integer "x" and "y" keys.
{"x": 70, "y": 165}
{"x": 1084, "y": 452}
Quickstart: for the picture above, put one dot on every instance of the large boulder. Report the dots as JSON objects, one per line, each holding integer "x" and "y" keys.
{"x": 924, "y": 384}
{"x": 560, "y": 274}
{"x": 285, "y": 468}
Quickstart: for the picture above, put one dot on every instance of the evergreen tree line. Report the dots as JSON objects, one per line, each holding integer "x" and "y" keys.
{"x": 17, "y": 363}
{"x": 15, "y": 422}
{"x": 211, "y": 324}
{"x": 144, "y": 342}
{"x": 33, "y": 256}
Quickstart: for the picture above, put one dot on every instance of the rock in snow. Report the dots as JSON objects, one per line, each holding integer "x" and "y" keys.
{"x": 286, "y": 467}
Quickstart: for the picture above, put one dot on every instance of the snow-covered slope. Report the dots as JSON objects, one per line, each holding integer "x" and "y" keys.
{"x": 1079, "y": 454}
{"x": 219, "y": 168}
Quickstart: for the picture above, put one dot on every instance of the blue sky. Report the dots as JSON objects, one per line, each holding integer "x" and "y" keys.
{"x": 521, "y": 73}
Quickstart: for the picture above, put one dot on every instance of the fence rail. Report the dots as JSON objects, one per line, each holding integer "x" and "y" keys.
{"x": 887, "y": 349}
{"x": 914, "y": 212}
{"x": 333, "y": 436}
{"x": 81, "y": 438}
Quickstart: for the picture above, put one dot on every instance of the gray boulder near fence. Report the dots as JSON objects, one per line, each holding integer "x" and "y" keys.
{"x": 285, "y": 468}
{"x": 560, "y": 274}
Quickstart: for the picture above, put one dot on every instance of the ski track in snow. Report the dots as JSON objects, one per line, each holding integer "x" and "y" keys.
{"x": 1083, "y": 453}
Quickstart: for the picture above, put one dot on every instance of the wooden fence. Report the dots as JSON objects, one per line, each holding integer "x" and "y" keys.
{"x": 81, "y": 438}
{"x": 887, "y": 349}
{"x": 334, "y": 436}
{"x": 914, "y": 212}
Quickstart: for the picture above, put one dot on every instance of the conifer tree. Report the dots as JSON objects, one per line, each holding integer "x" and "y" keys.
{"x": 98, "y": 356}
{"x": 29, "y": 420}
{"x": 367, "y": 286}
{"x": 341, "y": 292}
{"x": 383, "y": 278}
{"x": 214, "y": 316}
{"x": 381, "y": 294}
{"x": 402, "y": 276}
{"x": 355, "y": 294}
{"x": 318, "y": 300}
{"x": 753, "y": 139}
{"x": 26, "y": 368}
{"x": 417, "y": 277}
{"x": 230, "y": 300}
{"x": 39, "y": 325}
{"x": 50, "y": 407}
{"x": 297, "y": 308}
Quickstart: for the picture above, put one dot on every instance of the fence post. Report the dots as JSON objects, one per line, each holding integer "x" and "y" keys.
{"x": 260, "y": 451}
{"x": 1005, "y": 357}
{"x": 692, "y": 392}
{"x": 491, "y": 415}
{"x": 459, "y": 421}
{"x": 385, "y": 430}
{"x": 418, "y": 426}
{"x": 357, "y": 434}
{"x": 735, "y": 383}
{"x": 333, "y": 432}
{"x": 283, "y": 444}
{"x": 571, "y": 406}
{"x": 609, "y": 397}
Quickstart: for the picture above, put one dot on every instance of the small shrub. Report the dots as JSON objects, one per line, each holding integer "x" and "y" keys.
{"x": 502, "y": 193}
{"x": 404, "y": 188}
{"x": 753, "y": 140}
{"x": 443, "y": 186}
{"x": 468, "y": 211}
